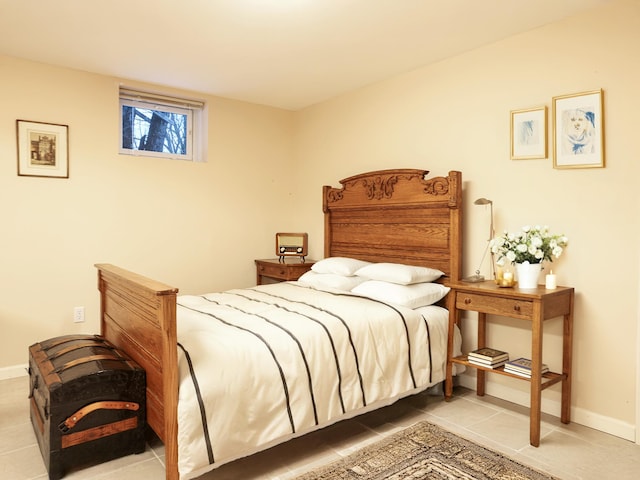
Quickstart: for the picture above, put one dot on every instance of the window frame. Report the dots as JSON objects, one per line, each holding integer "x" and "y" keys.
{"x": 195, "y": 111}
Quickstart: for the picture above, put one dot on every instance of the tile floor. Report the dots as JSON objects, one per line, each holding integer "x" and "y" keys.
{"x": 566, "y": 451}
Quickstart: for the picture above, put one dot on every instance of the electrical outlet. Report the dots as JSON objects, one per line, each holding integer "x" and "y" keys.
{"x": 78, "y": 314}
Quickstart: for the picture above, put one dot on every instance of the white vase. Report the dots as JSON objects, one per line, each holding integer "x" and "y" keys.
{"x": 528, "y": 274}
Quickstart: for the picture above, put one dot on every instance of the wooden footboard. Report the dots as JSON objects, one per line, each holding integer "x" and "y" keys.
{"x": 138, "y": 315}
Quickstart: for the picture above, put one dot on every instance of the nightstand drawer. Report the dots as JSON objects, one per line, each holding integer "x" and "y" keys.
{"x": 494, "y": 305}
{"x": 273, "y": 270}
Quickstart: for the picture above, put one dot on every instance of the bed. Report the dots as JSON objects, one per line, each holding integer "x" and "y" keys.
{"x": 399, "y": 216}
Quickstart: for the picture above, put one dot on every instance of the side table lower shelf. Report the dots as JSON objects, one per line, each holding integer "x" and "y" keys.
{"x": 548, "y": 378}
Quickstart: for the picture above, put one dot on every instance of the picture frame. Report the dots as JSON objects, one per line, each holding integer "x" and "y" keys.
{"x": 43, "y": 149}
{"x": 578, "y": 130}
{"x": 529, "y": 133}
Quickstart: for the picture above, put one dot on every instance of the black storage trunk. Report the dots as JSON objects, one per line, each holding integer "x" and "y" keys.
{"x": 87, "y": 402}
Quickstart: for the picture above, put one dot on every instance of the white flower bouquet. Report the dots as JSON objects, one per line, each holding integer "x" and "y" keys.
{"x": 531, "y": 244}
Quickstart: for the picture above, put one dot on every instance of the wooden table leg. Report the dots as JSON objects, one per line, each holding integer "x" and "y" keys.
{"x": 567, "y": 354}
{"x": 454, "y": 319}
{"x": 482, "y": 342}
{"x": 536, "y": 377}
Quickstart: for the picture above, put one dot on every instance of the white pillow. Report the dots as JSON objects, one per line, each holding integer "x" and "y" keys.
{"x": 411, "y": 296}
{"x": 338, "y": 265}
{"x": 323, "y": 281}
{"x": 399, "y": 273}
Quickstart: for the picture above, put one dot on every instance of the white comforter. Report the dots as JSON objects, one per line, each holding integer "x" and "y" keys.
{"x": 261, "y": 365}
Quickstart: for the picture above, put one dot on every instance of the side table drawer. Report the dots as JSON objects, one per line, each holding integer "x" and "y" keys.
{"x": 273, "y": 270}
{"x": 494, "y": 305}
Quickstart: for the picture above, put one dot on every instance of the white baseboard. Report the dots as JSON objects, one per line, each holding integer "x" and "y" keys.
{"x": 587, "y": 418}
{"x": 13, "y": 372}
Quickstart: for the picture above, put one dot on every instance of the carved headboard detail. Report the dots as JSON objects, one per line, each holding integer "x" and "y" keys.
{"x": 397, "y": 216}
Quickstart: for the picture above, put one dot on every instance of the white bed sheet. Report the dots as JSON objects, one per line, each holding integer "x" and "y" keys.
{"x": 262, "y": 365}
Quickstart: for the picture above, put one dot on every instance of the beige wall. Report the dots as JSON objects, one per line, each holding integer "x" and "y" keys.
{"x": 197, "y": 226}
{"x": 455, "y": 115}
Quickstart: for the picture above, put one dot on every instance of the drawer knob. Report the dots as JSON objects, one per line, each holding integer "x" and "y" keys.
{"x": 516, "y": 307}
{"x": 467, "y": 301}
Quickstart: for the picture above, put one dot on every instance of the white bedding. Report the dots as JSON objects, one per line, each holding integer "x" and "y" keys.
{"x": 276, "y": 361}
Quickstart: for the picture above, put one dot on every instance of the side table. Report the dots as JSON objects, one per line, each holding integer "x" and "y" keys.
{"x": 532, "y": 305}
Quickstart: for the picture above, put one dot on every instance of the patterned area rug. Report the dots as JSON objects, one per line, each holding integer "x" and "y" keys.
{"x": 425, "y": 451}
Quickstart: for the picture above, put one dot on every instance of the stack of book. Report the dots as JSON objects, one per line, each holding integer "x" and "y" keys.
{"x": 522, "y": 366}
{"x": 488, "y": 357}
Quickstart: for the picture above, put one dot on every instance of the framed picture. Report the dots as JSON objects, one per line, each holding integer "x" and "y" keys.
{"x": 43, "y": 149}
{"x": 529, "y": 133}
{"x": 578, "y": 126}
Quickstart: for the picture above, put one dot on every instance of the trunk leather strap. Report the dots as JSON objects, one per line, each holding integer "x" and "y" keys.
{"x": 95, "y": 433}
{"x": 86, "y": 343}
{"x": 80, "y": 361}
{"x": 71, "y": 421}
{"x": 54, "y": 342}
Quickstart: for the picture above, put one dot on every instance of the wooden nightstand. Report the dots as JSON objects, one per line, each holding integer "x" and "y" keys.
{"x": 534, "y": 306}
{"x": 273, "y": 269}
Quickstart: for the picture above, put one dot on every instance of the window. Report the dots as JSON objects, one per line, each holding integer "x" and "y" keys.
{"x": 162, "y": 126}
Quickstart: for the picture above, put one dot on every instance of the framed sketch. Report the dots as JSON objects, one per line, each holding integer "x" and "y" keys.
{"x": 578, "y": 130}
{"x": 43, "y": 149}
{"x": 529, "y": 133}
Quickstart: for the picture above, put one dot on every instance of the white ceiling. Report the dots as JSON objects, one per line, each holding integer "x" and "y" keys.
{"x": 284, "y": 53}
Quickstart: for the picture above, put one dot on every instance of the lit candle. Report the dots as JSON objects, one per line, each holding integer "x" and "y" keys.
{"x": 507, "y": 278}
{"x": 550, "y": 281}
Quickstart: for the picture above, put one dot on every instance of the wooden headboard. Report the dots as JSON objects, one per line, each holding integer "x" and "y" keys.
{"x": 396, "y": 216}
